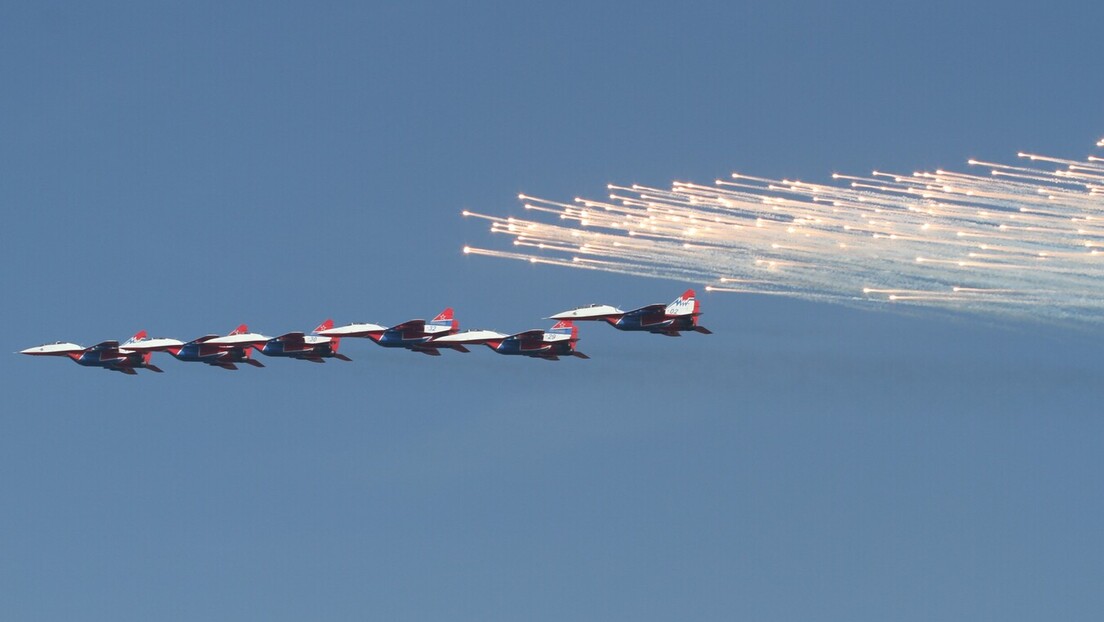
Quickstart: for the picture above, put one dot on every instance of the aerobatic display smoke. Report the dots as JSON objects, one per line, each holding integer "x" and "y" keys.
{"x": 1024, "y": 241}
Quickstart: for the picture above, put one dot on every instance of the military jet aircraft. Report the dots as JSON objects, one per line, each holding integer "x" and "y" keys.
{"x": 106, "y": 354}
{"x": 680, "y": 315}
{"x": 551, "y": 345}
{"x": 415, "y": 335}
{"x": 315, "y": 347}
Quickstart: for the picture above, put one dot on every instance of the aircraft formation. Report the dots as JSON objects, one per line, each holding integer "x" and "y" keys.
{"x": 426, "y": 337}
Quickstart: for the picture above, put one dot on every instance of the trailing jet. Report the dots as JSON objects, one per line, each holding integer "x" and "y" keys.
{"x": 417, "y": 335}
{"x": 315, "y": 347}
{"x": 107, "y": 354}
{"x": 682, "y": 314}
{"x": 558, "y": 341}
{"x": 224, "y": 352}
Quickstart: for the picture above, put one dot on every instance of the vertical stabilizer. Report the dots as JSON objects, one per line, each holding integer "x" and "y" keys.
{"x": 686, "y": 304}
{"x": 565, "y": 327}
{"x": 138, "y": 336}
{"x": 445, "y": 318}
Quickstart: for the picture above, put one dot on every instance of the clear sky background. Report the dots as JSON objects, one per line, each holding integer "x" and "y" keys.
{"x": 183, "y": 168}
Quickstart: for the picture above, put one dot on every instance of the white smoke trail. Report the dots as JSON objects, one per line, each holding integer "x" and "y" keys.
{"x": 1017, "y": 240}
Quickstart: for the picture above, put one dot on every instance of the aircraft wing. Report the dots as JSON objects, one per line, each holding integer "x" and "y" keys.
{"x": 104, "y": 345}
{"x": 530, "y": 340}
{"x": 411, "y": 328}
{"x": 409, "y": 325}
{"x": 530, "y": 335}
{"x": 649, "y": 316}
{"x": 647, "y": 310}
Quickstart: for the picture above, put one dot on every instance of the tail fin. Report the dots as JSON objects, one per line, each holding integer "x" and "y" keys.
{"x": 686, "y": 304}
{"x": 241, "y": 330}
{"x": 138, "y": 336}
{"x": 327, "y": 325}
{"x": 565, "y": 327}
{"x": 445, "y": 318}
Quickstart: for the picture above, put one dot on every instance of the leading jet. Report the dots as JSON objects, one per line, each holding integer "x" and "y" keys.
{"x": 680, "y": 315}
{"x": 214, "y": 350}
{"x": 106, "y": 354}
{"x": 415, "y": 335}
{"x": 551, "y": 345}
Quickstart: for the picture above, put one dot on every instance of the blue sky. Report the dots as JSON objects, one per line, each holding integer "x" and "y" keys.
{"x": 183, "y": 169}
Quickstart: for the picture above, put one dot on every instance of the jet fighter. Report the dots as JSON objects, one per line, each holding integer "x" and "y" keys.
{"x": 558, "y": 341}
{"x": 224, "y": 352}
{"x": 681, "y": 315}
{"x": 414, "y": 335}
{"x": 315, "y": 347}
{"x": 107, "y": 354}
